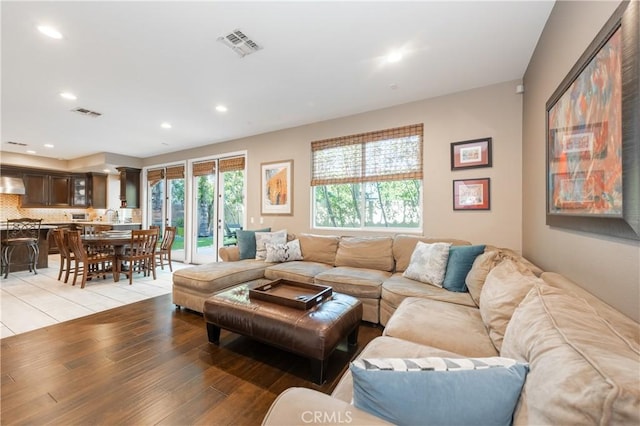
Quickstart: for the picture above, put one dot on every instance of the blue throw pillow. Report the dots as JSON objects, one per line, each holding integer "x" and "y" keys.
{"x": 458, "y": 266}
{"x": 247, "y": 242}
{"x": 439, "y": 391}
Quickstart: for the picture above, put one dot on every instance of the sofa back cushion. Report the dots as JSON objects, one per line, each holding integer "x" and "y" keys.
{"x": 581, "y": 370}
{"x": 365, "y": 252}
{"x": 403, "y": 246}
{"x": 622, "y": 323}
{"x": 502, "y": 292}
{"x": 319, "y": 248}
{"x": 484, "y": 263}
{"x": 476, "y": 277}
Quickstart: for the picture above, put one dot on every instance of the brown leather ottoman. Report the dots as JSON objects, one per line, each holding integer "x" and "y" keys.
{"x": 313, "y": 333}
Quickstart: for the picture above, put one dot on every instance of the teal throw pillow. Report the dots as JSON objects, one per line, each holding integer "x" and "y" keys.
{"x": 439, "y": 391}
{"x": 458, "y": 266}
{"x": 247, "y": 242}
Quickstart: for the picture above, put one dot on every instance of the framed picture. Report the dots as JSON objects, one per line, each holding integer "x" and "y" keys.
{"x": 593, "y": 135}
{"x": 277, "y": 188}
{"x": 471, "y": 194}
{"x": 471, "y": 154}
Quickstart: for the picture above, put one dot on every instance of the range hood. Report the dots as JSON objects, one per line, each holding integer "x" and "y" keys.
{"x": 11, "y": 185}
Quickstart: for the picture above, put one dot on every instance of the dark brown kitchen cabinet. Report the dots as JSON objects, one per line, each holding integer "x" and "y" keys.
{"x": 97, "y": 190}
{"x": 89, "y": 190}
{"x": 42, "y": 190}
{"x": 59, "y": 191}
{"x": 36, "y": 187}
{"x": 129, "y": 187}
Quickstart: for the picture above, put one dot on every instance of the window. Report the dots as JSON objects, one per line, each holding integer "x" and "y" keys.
{"x": 369, "y": 180}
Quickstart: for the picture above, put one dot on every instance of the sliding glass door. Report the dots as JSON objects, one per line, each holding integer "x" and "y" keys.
{"x": 218, "y": 206}
{"x": 166, "y": 196}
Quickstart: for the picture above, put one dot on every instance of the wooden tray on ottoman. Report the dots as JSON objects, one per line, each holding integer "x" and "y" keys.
{"x": 292, "y": 293}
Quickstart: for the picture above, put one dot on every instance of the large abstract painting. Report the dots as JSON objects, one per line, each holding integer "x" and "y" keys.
{"x": 592, "y": 153}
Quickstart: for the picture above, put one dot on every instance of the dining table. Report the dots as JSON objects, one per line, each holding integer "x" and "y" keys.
{"x": 116, "y": 239}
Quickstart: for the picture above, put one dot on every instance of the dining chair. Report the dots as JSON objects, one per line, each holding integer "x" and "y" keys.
{"x": 67, "y": 257}
{"x": 140, "y": 254}
{"x": 89, "y": 265}
{"x": 21, "y": 232}
{"x": 164, "y": 247}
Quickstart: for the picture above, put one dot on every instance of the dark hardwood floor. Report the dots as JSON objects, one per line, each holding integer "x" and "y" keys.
{"x": 148, "y": 363}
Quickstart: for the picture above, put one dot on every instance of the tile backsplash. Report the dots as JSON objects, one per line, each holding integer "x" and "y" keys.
{"x": 10, "y": 209}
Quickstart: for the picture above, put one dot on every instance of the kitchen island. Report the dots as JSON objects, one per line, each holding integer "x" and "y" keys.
{"x": 20, "y": 255}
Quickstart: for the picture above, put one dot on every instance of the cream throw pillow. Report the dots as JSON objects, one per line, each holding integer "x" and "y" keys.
{"x": 283, "y": 252}
{"x": 428, "y": 263}
{"x": 262, "y": 238}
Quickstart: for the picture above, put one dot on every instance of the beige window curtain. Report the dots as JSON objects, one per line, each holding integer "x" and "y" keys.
{"x": 232, "y": 164}
{"x": 392, "y": 154}
{"x": 204, "y": 168}
{"x": 175, "y": 172}
{"x": 154, "y": 176}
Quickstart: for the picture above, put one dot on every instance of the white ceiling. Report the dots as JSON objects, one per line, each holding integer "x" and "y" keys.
{"x": 144, "y": 63}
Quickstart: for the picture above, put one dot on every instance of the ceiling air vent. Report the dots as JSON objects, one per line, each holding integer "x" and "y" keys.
{"x": 86, "y": 112}
{"x": 240, "y": 43}
{"x": 16, "y": 143}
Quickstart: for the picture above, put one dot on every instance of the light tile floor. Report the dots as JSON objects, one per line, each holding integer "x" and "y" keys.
{"x": 29, "y": 301}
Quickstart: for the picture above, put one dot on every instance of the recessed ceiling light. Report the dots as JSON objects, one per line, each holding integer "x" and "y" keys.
{"x": 68, "y": 95}
{"x": 106, "y": 170}
{"x": 394, "y": 56}
{"x": 165, "y": 125}
{"x": 30, "y": 151}
{"x": 50, "y": 31}
{"x": 48, "y": 145}
{"x": 221, "y": 108}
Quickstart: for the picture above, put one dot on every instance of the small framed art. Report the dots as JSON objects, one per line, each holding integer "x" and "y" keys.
{"x": 277, "y": 188}
{"x": 471, "y": 194}
{"x": 471, "y": 154}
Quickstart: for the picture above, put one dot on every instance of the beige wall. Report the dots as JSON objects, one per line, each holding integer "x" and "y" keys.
{"x": 607, "y": 267}
{"x": 493, "y": 111}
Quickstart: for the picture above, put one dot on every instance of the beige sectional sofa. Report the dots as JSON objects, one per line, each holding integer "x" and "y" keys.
{"x": 583, "y": 355}
{"x": 369, "y": 268}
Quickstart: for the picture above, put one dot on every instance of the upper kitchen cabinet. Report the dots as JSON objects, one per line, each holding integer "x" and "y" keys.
{"x": 45, "y": 190}
{"x": 129, "y": 187}
{"x": 89, "y": 190}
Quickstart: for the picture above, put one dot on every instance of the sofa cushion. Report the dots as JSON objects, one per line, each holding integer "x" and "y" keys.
{"x": 502, "y": 292}
{"x": 459, "y": 264}
{"x": 365, "y": 252}
{"x": 491, "y": 257}
{"x": 448, "y": 326}
{"x": 247, "y": 242}
{"x": 428, "y": 263}
{"x": 296, "y": 271}
{"x": 403, "y": 246}
{"x": 319, "y": 248}
{"x": 300, "y": 406}
{"x": 216, "y": 276}
{"x": 582, "y": 371}
{"x": 397, "y": 288}
{"x": 264, "y": 238}
{"x": 386, "y": 347}
{"x": 507, "y": 253}
{"x": 439, "y": 391}
{"x": 358, "y": 282}
{"x": 477, "y": 275}
{"x": 623, "y": 324}
{"x": 283, "y": 252}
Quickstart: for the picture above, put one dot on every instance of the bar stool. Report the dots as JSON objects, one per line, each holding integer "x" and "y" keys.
{"x": 22, "y": 232}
